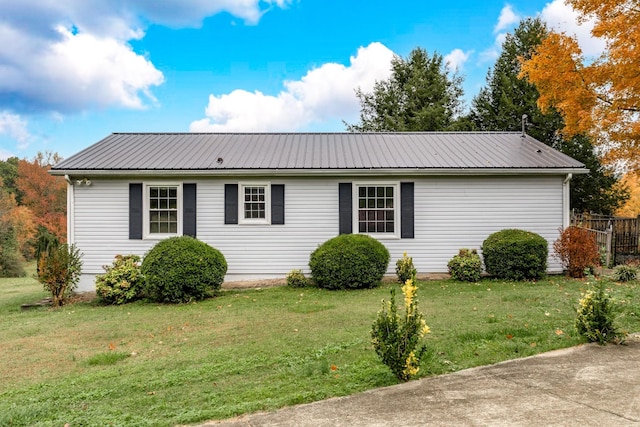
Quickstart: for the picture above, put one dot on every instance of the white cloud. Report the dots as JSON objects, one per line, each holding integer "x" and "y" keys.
{"x": 324, "y": 93}
{"x": 563, "y": 18}
{"x": 15, "y": 127}
{"x": 69, "y": 56}
{"x": 506, "y": 19}
{"x": 456, "y": 58}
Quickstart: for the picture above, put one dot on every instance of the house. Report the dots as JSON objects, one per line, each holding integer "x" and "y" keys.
{"x": 267, "y": 200}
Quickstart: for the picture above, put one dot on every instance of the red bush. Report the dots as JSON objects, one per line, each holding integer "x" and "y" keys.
{"x": 577, "y": 249}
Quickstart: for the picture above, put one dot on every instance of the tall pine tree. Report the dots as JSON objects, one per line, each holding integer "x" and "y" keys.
{"x": 501, "y": 104}
{"x": 420, "y": 95}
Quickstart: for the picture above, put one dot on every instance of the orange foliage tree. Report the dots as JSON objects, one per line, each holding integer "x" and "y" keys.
{"x": 632, "y": 207}
{"x": 44, "y": 194}
{"x": 599, "y": 97}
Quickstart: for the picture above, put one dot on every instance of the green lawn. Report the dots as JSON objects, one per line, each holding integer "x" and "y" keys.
{"x": 245, "y": 351}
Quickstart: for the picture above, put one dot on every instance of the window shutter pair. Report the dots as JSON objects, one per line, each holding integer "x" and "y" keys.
{"x": 345, "y": 207}
{"x": 231, "y": 204}
{"x": 136, "y": 215}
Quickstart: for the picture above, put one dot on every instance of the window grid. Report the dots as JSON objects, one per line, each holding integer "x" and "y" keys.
{"x": 163, "y": 210}
{"x": 254, "y": 202}
{"x": 376, "y": 209}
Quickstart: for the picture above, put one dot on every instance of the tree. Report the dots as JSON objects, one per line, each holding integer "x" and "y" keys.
{"x": 9, "y": 174}
{"x": 632, "y": 207}
{"x": 599, "y": 97}
{"x": 44, "y": 194}
{"x": 507, "y": 97}
{"x": 420, "y": 95}
{"x": 10, "y": 260}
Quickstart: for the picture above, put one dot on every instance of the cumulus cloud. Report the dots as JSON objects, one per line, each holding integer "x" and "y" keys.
{"x": 14, "y": 127}
{"x": 506, "y": 19}
{"x": 456, "y": 58}
{"x": 68, "y": 56}
{"x": 562, "y": 18}
{"x": 324, "y": 93}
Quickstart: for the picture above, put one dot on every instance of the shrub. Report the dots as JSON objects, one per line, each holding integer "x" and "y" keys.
{"x": 59, "y": 270}
{"x": 183, "y": 269}
{"x": 297, "y": 279}
{"x": 596, "y": 316}
{"x": 515, "y": 255}
{"x": 396, "y": 338}
{"x": 577, "y": 250}
{"x": 122, "y": 282}
{"x": 625, "y": 273}
{"x": 466, "y": 266}
{"x": 349, "y": 261}
{"x": 405, "y": 269}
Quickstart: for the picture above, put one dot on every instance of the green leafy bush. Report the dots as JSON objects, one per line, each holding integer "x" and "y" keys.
{"x": 122, "y": 282}
{"x": 349, "y": 261}
{"x": 405, "y": 269}
{"x": 183, "y": 269}
{"x": 396, "y": 337}
{"x": 297, "y": 279}
{"x": 596, "y": 315}
{"x": 59, "y": 270}
{"x": 625, "y": 273}
{"x": 515, "y": 255}
{"x": 466, "y": 266}
{"x": 577, "y": 250}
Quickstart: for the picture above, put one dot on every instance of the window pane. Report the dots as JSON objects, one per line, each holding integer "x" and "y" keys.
{"x": 153, "y": 227}
{"x": 371, "y": 191}
{"x": 380, "y": 203}
{"x": 390, "y": 227}
{"x": 371, "y": 203}
{"x": 380, "y": 191}
{"x": 389, "y": 191}
{"x": 153, "y": 191}
{"x": 362, "y": 191}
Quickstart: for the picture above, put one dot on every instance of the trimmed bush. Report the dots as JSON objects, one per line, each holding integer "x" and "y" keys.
{"x": 183, "y": 269}
{"x": 349, "y": 261}
{"x": 122, "y": 282}
{"x": 297, "y": 279}
{"x": 466, "y": 266}
{"x": 515, "y": 255}
{"x": 59, "y": 270}
{"x": 577, "y": 250}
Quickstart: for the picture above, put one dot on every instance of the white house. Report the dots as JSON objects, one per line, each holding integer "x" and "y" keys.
{"x": 266, "y": 201}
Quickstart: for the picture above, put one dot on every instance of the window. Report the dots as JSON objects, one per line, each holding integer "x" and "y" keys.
{"x": 255, "y": 203}
{"x": 377, "y": 209}
{"x": 163, "y": 210}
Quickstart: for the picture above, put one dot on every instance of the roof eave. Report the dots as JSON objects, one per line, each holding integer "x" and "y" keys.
{"x": 321, "y": 172}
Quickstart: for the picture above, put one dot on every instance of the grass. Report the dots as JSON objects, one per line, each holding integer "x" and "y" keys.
{"x": 246, "y": 351}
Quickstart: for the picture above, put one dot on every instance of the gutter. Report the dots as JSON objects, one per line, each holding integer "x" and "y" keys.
{"x": 566, "y": 201}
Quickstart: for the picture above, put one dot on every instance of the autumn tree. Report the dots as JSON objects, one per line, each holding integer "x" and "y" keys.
{"x": 44, "y": 194}
{"x": 506, "y": 97}
{"x": 632, "y": 207}
{"x": 596, "y": 96}
{"x": 10, "y": 259}
{"x": 420, "y": 95}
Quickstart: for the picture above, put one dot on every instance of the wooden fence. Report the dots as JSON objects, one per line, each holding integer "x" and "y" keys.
{"x": 623, "y": 235}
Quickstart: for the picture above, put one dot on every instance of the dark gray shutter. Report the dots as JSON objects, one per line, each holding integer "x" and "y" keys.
{"x": 231, "y": 203}
{"x": 344, "y": 208}
{"x": 277, "y": 204}
{"x": 189, "y": 210}
{"x": 135, "y": 211}
{"x": 406, "y": 210}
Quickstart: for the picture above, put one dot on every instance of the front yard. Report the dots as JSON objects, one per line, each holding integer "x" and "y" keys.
{"x": 245, "y": 351}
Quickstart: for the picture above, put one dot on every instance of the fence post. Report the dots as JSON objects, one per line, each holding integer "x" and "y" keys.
{"x": 609, "y": 238}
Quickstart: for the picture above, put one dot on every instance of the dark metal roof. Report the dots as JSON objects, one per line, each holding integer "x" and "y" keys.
{"x": 136, "y": 152}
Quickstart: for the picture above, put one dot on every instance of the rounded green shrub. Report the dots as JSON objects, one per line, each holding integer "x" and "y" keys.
{"x": 183, "y": 269}
{"x": 349, "y": 261}
{"x": 122, "y": 281}
{"x": 466, "y": 266}
{"x": 515, "y": 255}
{"x": 625, "y": 273}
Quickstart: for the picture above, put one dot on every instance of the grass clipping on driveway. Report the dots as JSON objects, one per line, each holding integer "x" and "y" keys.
{"x": 246, "y": 351}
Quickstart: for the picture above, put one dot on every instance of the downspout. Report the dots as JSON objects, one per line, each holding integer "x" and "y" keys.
{"x": 70, "y": 210}
{"x": 566, "y": 201}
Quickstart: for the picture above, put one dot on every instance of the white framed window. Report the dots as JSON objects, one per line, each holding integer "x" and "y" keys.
{"x": 254, "y": 203}
{"x": 376, "y": 209}
{"x": 162, "y": 210}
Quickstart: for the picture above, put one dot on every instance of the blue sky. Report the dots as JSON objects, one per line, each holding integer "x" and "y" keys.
{"x": 74, "y": 71}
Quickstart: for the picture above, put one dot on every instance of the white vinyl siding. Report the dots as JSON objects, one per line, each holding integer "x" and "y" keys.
{"x": 450, "y": 213}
